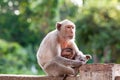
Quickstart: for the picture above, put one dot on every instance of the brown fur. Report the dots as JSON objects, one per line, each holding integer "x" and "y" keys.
{"x": 49, "y": 53}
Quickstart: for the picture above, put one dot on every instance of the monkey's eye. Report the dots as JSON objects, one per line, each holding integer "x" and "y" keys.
{"x": 72, "y": 27}
{"x": 68, "y": 26}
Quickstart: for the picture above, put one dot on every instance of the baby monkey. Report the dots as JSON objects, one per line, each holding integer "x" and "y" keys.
{"x": 69, "y": 53}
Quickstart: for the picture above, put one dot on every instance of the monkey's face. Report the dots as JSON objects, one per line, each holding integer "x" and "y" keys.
{"x": 68, "y": 31}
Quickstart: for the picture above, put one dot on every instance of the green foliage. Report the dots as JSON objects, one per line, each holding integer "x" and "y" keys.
{"x": 45, "y": 14}
{"x": 99, "y": 31}
{"x": 12, "y": 57}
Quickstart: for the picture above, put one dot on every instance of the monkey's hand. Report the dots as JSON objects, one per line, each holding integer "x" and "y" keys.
{"x": 88, "y": 57}
{"x": 67, "y": 62}
{"x": 84, "y": 59}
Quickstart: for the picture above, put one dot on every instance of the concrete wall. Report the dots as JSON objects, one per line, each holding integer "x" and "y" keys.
{"x": 32, "y": 77}
{"x": 99, "y": 71}
{"x": 87, "y": 72}
{"x": 117, "y": 78}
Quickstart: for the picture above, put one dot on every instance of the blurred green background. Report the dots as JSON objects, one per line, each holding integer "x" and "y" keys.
{"x": 24, "y": 23}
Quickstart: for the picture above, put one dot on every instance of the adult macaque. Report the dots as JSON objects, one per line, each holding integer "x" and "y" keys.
{"x": 49, "y": 53}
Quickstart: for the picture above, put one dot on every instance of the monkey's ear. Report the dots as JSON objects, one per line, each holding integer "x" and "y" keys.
{"x": 58, "y": 25}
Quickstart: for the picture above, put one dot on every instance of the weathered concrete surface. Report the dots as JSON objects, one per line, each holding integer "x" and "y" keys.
{"x": 26, "y": 77}
{"x": 99, "y": 71}
{"x": 87, "y": 72}
{"x": 117, "y": 78}
{"x": 32, "y": 77}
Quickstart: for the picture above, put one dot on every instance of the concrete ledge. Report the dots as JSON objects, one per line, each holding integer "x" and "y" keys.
{"x": 32, "y": 77}
{"x": 99, "y": 71}
{"x": 87, "y": 72}
{"x": 117, "y": 78}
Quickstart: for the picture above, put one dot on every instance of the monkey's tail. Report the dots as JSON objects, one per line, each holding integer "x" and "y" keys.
{"x": 65, "y": 76}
